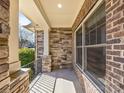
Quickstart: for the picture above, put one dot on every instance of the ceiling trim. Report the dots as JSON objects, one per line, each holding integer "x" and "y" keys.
{"x": 40, "y": 7}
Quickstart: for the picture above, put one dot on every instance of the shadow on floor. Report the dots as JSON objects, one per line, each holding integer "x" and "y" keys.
{"x": 60, "y": 81}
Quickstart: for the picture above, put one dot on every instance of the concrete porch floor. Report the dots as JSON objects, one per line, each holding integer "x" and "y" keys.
{"x": 60, "y": 81}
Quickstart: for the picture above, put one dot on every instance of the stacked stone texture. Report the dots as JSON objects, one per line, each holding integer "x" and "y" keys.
{"x": 43, "y": 61}
{"x": 61, "y": 47}
{"x": 4, "y": 52}
{"x": 6, "y": 83}
{"x": 115, "y": 48}
{"x": 40, "y": 43}
{"x": 46, "y": 63}
{"x": 19, "y": 82}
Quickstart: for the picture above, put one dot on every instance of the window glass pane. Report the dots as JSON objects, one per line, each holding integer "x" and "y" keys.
{"x": 101, "y": 34}
{"x": 79, "y": 37}
{"x": 93, "y": 37}
{"x": 87, "y": 37}
{"x": 95, "y": 34}
{"x": 95, "y": 25}
{"x": 79, "y": 57}
{"x": 96, "y": 62}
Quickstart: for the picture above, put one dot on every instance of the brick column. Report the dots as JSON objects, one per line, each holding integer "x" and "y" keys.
{"x": 115, "y": 48}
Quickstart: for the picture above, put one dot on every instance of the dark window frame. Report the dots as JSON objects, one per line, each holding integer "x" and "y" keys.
{"x": 90, "y": 45}
{"x": 84, "y": 47}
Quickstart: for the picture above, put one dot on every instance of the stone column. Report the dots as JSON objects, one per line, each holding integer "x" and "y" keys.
{"x": 39, "y": 50}
{"x": 46, "y": 63}
{"x": 4, "y": 50}
{"x": 39, "y": 43}
{"x": 43, "y": 61}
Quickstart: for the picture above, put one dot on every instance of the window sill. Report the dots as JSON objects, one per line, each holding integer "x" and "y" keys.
{"x": 91, "y": 81}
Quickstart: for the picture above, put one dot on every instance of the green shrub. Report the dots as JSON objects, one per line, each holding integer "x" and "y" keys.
{"x": 26, "y": 55}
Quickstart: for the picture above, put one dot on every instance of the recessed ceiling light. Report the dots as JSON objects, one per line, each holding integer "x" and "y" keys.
{"x": 59, "y": 5}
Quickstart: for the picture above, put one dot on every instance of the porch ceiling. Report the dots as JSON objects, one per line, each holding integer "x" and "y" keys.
{"x": 47, "y": 13}
{"x": 61, "y": 17}
{"x": 31, "y": 11}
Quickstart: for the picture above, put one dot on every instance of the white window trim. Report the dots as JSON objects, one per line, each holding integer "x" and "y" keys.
{"x": 75, "y": 47}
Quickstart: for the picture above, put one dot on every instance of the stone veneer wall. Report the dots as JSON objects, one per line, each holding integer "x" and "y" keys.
{"x": 4, "y": 52}
{"x": 40, "y": 43}
{"x": 61, "y": 47}
{"x": 19, "y": 82}
{"x": 46, "y": 63}
{"x": 115, "y": 50}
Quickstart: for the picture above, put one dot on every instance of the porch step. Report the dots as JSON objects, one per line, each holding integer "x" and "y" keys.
{"x": 45, "y": 84}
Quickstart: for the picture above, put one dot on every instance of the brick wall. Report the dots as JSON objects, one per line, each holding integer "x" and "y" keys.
{"x": 4, "y": 52}
{"x": 61, "y": 47}
{"x": 115, "y": 50}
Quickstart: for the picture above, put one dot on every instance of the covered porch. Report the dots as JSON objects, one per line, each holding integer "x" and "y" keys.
{"x": 79, "y": 46}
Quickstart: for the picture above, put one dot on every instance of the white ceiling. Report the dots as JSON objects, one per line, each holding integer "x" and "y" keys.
{"x": 65, "y": 16}
{"x": 31, "y": 11}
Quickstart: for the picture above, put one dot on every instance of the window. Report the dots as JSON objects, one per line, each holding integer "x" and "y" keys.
{"x": 91, "y": 54}
{"x": 95, "y": 39}
{"x": 79, "y": 47}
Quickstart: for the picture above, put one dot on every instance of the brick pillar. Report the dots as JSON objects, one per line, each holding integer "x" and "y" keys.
{"x": 4, "y": 51}
{"x": 115, "y": 48}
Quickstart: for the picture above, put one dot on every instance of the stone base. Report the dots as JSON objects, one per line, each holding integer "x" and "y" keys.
{"x": 46, "y": 63}
{"x": 19, "y": 82}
